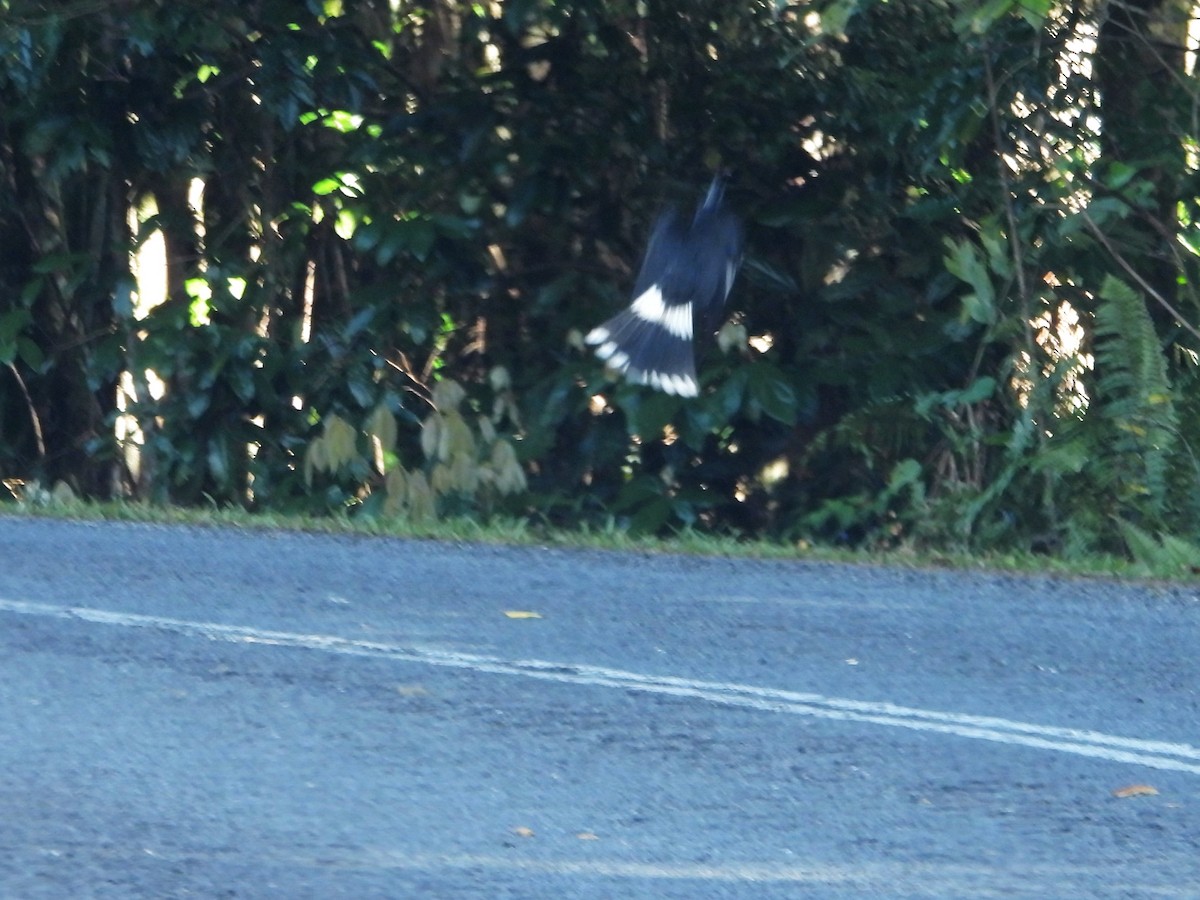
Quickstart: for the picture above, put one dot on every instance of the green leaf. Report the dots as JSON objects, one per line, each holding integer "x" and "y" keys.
{"x": 455, "y": 226}
{"x": 218, "y": 460}
{"x": 904, "y": 473}
{"x": 343, "y": 121}
{"x": 241, "y": 380}
{"x": 769, "y": 389}
{"x": 31, "y": 354}
{"x": 345, "y": 224}
{"x": 979, "y": 390}
{"x": 361, "y": 390}
{"x": 60, "y": 262}
{"x": 978, "y": 17}
{"x": 652, "y": 413}
{"x": 636, "y": 492}
{"x": 1119, "y": 174}
{"x": 196, "y": 403}
{"x": 836, "y": 16}
{"x": 366, "y": 235}
{"x": 730, "y": 395}
{"x": 651, "y": 517}
{"x": 1035, "y": 11}
{"x": 995, "y": 244}
{"x": 1064, "y": 456}
{"x": 12, "y": 323}
{"x": 1107, "y": 209}
{"x": 964, "y": 261}
{"x": 359, "y": 321}
{"x": 418, "y": 235}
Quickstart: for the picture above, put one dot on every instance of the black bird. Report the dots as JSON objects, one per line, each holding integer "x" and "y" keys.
{"x": 679, "y": 293}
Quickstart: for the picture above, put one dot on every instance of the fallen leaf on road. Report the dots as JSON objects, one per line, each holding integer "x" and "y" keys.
{"x": 521, "y": 614}
{"x": 411, "y": 690}
{"x": 522, "y": 831}
{"x": 1135, "y": 790}
{"x": 587, "y": 836}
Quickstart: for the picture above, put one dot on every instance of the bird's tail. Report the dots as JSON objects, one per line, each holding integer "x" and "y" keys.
{"x": 647, "y": 353}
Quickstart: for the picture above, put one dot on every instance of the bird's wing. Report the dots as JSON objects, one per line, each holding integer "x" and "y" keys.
{"x": 663, "y": 250}
{"x": 715, "y": 245}
{"x": 685, "y": 277}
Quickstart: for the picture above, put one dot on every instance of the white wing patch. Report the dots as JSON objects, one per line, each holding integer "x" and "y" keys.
{"x": 683, "y": 385}
{"x": 606, "y": 349}
{"x": 677, "y": 319}
{"x": 598, "y": 335}
{"x": 618, "y": 360}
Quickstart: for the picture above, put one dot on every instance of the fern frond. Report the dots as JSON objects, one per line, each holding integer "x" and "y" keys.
{"x": 1165, "y": 554}
{"x": 1135, "y": 398}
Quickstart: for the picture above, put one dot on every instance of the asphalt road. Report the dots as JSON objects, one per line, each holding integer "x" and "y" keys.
{"x": 216, "y": 713}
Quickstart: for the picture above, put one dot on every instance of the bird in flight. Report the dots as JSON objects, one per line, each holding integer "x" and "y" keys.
{"x": 687, "y": 274}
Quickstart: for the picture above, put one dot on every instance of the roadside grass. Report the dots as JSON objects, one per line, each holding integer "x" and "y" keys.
{"x": 514, "y": 532}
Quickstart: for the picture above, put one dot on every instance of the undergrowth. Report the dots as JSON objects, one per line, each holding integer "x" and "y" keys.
{"x": 1161, "y": 560}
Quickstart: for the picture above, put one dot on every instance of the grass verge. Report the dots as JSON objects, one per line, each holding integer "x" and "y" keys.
{"x": 514, "y": 532}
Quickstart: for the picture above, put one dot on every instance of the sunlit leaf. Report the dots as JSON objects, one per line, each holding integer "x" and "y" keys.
{"x": 326, "y": 186}
{"x": 345, "y": 223}
{"x": 382, "y": 425}
{"x": 343, "y": 121}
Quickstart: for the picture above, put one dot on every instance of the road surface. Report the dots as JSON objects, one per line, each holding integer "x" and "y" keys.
{"x": 195, "y": 712}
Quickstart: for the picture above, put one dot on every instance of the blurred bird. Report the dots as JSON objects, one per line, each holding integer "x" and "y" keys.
{"x": 680, "y": 291}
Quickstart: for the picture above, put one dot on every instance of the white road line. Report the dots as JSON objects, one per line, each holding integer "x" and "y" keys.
{"x": 947, "y": 878}
{"x": 1153, "y": 754}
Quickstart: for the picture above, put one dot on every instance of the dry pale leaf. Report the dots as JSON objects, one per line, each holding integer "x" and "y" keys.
{"x": 522, "y": 614}
{"x": 1135, "y": 790}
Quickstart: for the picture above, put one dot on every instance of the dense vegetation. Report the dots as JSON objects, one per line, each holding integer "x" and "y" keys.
{"x": 967, "y": 316}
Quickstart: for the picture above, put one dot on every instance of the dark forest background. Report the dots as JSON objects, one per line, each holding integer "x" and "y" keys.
{"x": 377, "y": 228}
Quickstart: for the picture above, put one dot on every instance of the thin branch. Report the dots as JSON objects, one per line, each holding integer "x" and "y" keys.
{"x": 417, "y": 387}
{"x": 1014, "y": 235}
{"x": 1133, "y": 273}
{"x": 33, "y": 416}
